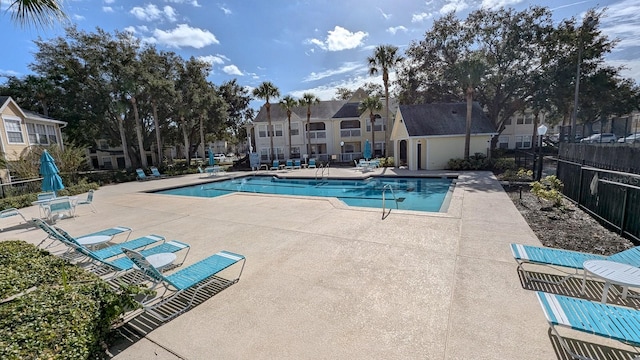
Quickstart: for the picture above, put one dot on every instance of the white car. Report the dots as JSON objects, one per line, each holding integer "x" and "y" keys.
{"x": 632, "y": 138}
{"x": 600, "y": 138}
{"x": 220, "y": 157}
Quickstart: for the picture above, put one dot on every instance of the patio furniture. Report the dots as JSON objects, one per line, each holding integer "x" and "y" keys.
{"x": 141, "y": 175}
{"x": 609, "y": 321}
{"x": 195, "y": 277}
{"x": 296, "y": 164}
{"x": 289, "y": 165}
{"x": 275, "y": 165}
{"x": 312, "y": 164}
{"x": 155, "y": 173}
{"x": 87, "y": 201}
{"x": 559, "y": 258}
{"x": 213, "y": 170}
{"x": 613, "y": 273}
{"x": 7, "y": 213}
{"x": 59, "y": 207}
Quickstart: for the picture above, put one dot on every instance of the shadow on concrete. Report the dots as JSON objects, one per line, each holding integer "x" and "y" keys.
{"x": 138, "y": 324}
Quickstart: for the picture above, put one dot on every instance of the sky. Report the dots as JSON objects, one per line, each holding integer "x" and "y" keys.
{"x": 298, "y": 45}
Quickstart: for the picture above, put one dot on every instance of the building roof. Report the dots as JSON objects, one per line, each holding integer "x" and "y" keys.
{"x": 27, "y": 113}
{"x": 444, "y": 119}
{"x": 324, "y": 110}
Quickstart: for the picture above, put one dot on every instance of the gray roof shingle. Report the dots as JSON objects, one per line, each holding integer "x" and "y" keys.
{"x": 444, "y": 119}
{"x": 324, "y": 110}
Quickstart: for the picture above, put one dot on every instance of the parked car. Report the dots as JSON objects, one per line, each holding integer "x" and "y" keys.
{"x": 600, "y": 138}
{"x": 631, "y": 138}
{"x": 220, "y": 158}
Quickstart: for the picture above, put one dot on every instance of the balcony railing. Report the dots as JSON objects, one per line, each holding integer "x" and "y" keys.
{"x": 350, "y": 133}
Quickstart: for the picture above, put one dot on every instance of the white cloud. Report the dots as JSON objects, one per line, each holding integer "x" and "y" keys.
{"x": 192, "y": 2}
{"x": 184, "y": 35}
{"x": 152, "y": 13}
{"x": 420, "y": 17}
{"x": 622, "y": 21}
{"x": 107, "y": 9}
{"x": 109, "y": 1}
{"x": 130, "y": 29}
{"x": 343, "y": 69}
{"x": 225, "y": 9}
{"x": 232, "y": 70}
{"x": 453, "y": 5}
{"x": 631, "y": 70}
{"x": 495, "y": 4}
{"x": 340, "y": 39}
{"x": 384, "y": 15}
{"x": 78, "y": 17}
{"x": 213, "y": 59}
{"x": 394, "y": 30}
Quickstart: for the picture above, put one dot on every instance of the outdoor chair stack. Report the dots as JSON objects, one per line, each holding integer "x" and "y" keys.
{"x": 183, "y": 287}
{"x": 59, "y": 207}
{"x": 141, "y": 176}
{"x": 8, "y": 213}
{"x": 155, "y": 173}
{"x": 597, "y": 318}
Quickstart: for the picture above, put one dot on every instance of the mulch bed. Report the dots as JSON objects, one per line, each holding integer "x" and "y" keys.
{"x": 568, "y": 227}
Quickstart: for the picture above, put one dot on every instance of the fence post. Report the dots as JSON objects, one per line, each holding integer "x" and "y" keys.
{"x": 624, "y": 210}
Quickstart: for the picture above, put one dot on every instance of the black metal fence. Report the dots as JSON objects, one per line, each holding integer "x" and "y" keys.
{"x": 613, "y": 197}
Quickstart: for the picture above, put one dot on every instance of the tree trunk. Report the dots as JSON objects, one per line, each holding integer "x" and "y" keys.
{"x": 202, "y": 134}
{"x": 309, "y": 131}
{"x": 185, "y": 135}
{"x": 143, "y": 155}
{"x": 373, "y": 135}
{"x": 156, "y": 124}
{"x": 289, "y": 130}
{"x": 123, "y": 140}
{"x": 270, "y": 132}
{"x": 467, "y": 135}
{"x": 385, "y": 80}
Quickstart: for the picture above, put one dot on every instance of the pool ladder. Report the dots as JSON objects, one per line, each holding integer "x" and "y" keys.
{"x": 384, "y": 190}
{"x": 322, "y": 169}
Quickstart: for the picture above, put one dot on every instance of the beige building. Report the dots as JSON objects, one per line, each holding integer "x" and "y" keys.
{"x": 337, "y": 131}
{"x": 427, "y": 136}
{"x": 20, "y": 129}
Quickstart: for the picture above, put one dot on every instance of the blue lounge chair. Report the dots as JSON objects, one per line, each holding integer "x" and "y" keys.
{"x": 155, "y": 173}
{"x": 289, "y": 165}
{"x": 141, "y": 175}
{"x": 609, "y": 321}
{"x": 527, "y": 254}
{"x": 312, "y": 163}
{"x": 59, "y": 207}
{"x": 297, "y": 164}
{"x": 7, "y": 213}
{"x": 275, "y": 165}
{"x": 196, "y": 276}
{"x": 106, "y": 261}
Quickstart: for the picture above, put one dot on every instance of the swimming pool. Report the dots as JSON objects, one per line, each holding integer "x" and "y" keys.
{"x": 417, "y": 194}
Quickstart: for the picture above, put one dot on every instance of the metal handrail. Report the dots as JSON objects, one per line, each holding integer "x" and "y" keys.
{"x": 318, "y": 168}
{"x": 384, "y": 190}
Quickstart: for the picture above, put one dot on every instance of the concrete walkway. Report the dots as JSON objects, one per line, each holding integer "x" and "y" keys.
{"x": 326, "y": 281}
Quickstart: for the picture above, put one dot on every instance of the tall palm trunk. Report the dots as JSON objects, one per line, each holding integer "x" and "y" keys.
{"x": 143, "y": 155}
{"x": 270, "y": 132}
{"x": 385, "y": 80}
{"x": 123, "y": 140}
{"x": 467, "y": 136}
{"x": 309, "y": 134}
{"x": 156, "y": 124}
{"x": 289, "y": 129}
{"x": 373, "y": 134}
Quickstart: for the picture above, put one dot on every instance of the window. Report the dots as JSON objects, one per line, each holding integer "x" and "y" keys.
{"x": 264, "y": 154}
{"x": 51, "y": 132}
{"x": 37, "y": 134}
{"x": 262, "y": 131}
{"x": 350, "y": 124}
{"x": 278, "y": 129}
{"x": 378, "y": 148}
{"x": 295, "y": 129}
{"x": 519, "y": 119}
{"x": 528, "y": 119}
{"x": 279, "y": 153}
{"x": 106, "y": 162}
{"x": 316, "y": 126}
{"x": 379, "y": 124}
{"x": 523, "y": 142}
{"x": 295, "y": 151}
{"x": 103, "y": 144}
{"x": 14, "y": 131}
{"x": 508, "y": 121}
{"x": 503, "y": 142}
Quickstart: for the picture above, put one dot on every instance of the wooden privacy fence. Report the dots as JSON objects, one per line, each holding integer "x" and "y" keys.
{"x": 611, "y": 196}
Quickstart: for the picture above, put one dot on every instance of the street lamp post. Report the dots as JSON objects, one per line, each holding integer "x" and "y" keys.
{"x": 542, "y": 131}
{"x": 589, "y": 22}
{"x": 341, "y": 151}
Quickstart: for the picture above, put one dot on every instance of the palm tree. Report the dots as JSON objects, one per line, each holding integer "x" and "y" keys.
{"x": 468, "y": 73}
{"x": 371, "y": 104}
{"x": 40, "y": 13}
{"x": 385, "y": 58}
{"x": 288, "y": 103}
{"x": 267, "y": 91}
{"x": 307, "y": 100}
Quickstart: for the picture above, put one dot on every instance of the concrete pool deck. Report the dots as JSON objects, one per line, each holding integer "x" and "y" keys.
{"x": 325, "y": 281}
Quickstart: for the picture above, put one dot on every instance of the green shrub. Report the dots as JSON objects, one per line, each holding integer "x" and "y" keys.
{"x": 476, "y": 162}
{"x": 504, "y": 164}
{"x": 25, "y": 200}
{"x": 548, "y": 188}
{"x": 520, "y": 175}
{"x": 69, "y": 315}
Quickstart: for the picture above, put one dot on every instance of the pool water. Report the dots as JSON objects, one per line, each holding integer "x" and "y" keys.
{"x": 417, "y": 194}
